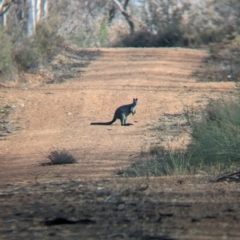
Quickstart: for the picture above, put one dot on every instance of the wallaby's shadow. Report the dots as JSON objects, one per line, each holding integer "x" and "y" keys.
{"x": 127, "y": 124}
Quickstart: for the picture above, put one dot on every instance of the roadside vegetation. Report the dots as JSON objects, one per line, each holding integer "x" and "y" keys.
{"x": 40, "y": 49}
{"x": 60, "y": 157}
{"x": 223, "y": 62}
{"x": 6, "y": 126}
{"x": 28, "y": 53}
{"x": 214, "y": 146}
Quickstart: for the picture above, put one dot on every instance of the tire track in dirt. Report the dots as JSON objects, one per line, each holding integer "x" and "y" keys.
{"x": 58, "y": 116}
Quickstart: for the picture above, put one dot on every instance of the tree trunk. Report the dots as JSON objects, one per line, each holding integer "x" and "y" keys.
{"x": 4, "y": 7}
{"x": 45, "y": 8}
{"x": 31, "y": 20}
{"x": 38, "y": 9}
{"x": 128, "y": 17}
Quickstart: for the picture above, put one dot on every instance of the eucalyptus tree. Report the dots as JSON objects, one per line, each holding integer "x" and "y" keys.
{"x": 14, "y": 12}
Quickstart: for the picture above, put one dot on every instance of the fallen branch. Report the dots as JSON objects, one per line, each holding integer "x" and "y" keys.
{"x": 229, "y": 177}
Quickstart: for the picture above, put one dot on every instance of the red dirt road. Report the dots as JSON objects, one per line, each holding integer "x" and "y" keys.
{"x": 58, "y": 116}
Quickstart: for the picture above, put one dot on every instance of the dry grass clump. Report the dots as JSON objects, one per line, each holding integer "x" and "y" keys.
{"x": 60, "y": 157}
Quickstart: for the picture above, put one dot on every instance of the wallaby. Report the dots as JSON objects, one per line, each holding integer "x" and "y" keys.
{"x": 121, "y": 113}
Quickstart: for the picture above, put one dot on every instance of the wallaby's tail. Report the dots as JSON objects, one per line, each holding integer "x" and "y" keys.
{"x": 104, "y": 123}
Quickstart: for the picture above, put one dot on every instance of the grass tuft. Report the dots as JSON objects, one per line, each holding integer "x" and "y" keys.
{"x": 61, "y": 157}
{"x": 216, "y": 138}
{"x": 158, "y": 162}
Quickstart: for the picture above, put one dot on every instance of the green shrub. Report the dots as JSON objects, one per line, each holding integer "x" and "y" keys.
{"x": 6, "y": 57}
{"x": 31, "y": 52}
{"x": 27, "y": 55}
{"x": 47, "y": 40}
{"x": 216, "y": 138}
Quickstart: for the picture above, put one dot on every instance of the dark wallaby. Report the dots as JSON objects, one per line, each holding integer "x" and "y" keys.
{"x": 121, "y": 113}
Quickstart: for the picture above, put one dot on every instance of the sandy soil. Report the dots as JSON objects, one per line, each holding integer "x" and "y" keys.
{"x": 36, "y": 200}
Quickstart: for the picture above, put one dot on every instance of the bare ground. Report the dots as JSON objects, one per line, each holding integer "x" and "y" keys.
{"x": 87, "y": 200}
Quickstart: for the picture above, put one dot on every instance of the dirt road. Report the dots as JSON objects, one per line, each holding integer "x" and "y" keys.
{"x": 58, "y": 116}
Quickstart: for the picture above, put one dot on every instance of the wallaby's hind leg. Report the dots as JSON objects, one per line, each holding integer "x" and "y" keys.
{"x": 124, "y": 121}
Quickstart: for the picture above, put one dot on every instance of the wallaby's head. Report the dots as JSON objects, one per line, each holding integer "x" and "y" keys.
{"x": 135, "y": 101}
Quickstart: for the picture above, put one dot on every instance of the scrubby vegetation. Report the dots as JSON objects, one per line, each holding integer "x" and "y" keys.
{"x": 60, "y": 157}
{"x": 223, "y": 62}
{"x": 189, "y": 24}
{"x": 31, "y": 52}
{"x": 158, "y": 161}
{"x": 28, "y": 53}
{"x": 214, "y": 146}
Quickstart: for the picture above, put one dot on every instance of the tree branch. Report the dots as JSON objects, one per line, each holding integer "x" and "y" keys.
{"x": 125, "y": 4}
{"x": 7, "y": 5}
{"x": 125, "y": 13}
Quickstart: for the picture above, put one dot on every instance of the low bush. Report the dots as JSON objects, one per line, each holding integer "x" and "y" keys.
{"x": 216, "y": 138}
{"x": 145, "y": 38}
{"x": 61, "y": 157}
{"x": 27, "y": 55}
{"x": 45, "y": 44}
